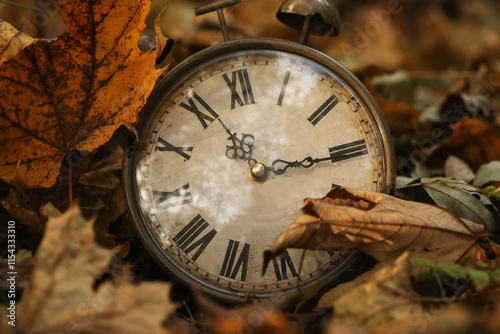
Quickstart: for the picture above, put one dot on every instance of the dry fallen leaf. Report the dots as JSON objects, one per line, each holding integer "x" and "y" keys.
{"x": 400, "y": 116}
{"x": 457, "y": 168}
{"x": 472, "y": 142}
{"x": 264, "y": 316}
{"x": 457, "y": 196}
{"x": 382, "y": 226}
{"x": 384, "y": 296}
{"x": 474, "y": 313}
{"x": 74, "y": 92}
{"x": 11, "y": 40}
{"x": 62, "y": 292}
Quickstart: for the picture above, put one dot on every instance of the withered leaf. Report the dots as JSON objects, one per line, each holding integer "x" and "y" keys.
{"x": 74, "y": 92}
{"x": 379, "y": 298}
{"x": 263, "y": 316}
{"x": 382, "y": 226}
{"x": 472, "y": 142}
{"x": 400, "y": 116}
{"x": 491, "y": 192}
{"x": 458, "y": 169}
{"x": 459, "y": 197}
{"x": 11, "y": 41}
{"x": 487, "y": 173}
{"x": 62, "y": 291}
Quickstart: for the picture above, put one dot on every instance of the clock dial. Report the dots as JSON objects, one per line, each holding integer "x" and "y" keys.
{"x": 228, "y": 152}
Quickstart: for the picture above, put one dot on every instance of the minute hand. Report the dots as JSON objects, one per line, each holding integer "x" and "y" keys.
{"x": 305, "y": 163}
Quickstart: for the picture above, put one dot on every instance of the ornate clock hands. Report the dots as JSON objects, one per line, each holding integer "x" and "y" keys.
{"x": 241, "y": 149}
{"x": 259, "y": 171}
{"x": 305, "y": 163}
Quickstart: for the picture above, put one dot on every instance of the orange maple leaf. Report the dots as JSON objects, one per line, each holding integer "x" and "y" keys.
{"x": 74, "y": 92}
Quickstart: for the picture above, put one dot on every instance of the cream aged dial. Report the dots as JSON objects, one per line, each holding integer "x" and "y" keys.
{"x": 230, "y": 144}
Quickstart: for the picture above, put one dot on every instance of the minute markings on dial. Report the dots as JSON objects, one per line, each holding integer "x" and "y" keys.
{"x": 246, "y": 88}
{"x": 169, "y": 199}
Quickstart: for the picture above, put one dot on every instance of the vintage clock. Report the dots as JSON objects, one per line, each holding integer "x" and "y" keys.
{"x": 230, "y": 143}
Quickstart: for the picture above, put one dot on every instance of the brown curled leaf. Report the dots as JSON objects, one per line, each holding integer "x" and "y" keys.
{"x": 382, "y": 226}
{"x": 11, "y": 41}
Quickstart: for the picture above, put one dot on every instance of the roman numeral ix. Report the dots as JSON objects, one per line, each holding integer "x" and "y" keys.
{"x": 231, "y": 266}
{"x": 240, "y": 76}
{"x": 185, "y": 239}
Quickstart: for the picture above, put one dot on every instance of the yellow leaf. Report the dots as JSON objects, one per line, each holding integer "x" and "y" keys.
{"x": 74, "y": 92}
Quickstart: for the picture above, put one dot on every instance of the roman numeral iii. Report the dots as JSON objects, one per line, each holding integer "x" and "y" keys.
{"x": 240, "y": 76}
{"x": 231, "y": 266}
{"x": 185, "y": 239}
{"x": 169, "y": 199}
{"x": 347, "y": 151}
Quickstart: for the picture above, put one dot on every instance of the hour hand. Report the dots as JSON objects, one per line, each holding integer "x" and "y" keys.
{"x": 241, "y": 148}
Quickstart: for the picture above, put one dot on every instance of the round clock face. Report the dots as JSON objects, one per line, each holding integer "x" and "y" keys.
{"x": 231, "y": 142}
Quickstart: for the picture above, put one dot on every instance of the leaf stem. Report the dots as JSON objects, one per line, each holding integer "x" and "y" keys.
{"x": 424, "y": 184}
{"x": 35, "y": 9}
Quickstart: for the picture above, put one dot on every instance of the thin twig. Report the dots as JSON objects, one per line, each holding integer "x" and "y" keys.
{"x": 35, "y": 9}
